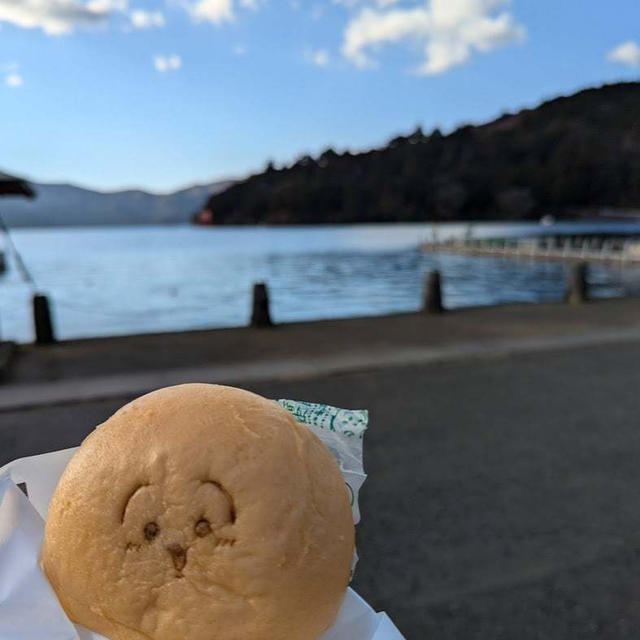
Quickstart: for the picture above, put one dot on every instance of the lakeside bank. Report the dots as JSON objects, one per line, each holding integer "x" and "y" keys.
{"x": 299, "y": 349}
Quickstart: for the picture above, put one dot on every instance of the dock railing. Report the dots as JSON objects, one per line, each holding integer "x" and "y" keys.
{"x": 589, "y": 248}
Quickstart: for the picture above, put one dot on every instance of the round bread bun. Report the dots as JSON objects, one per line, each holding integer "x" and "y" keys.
{"x": 201, "y": 512}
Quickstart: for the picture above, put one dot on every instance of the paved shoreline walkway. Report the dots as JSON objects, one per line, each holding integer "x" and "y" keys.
{"x": 72, "y": 390}
{"x": 503, "y": 498}
{"x": 308, "y": 341}
{"x": 101, "y": 368}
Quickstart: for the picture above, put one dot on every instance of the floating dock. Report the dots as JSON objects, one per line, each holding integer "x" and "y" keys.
{"x": 589, "y": 247}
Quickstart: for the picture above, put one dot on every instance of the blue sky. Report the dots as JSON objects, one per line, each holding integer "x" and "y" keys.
{"x": 119, "y": 93}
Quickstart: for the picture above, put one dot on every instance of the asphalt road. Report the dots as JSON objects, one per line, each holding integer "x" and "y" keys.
{"x": 503, "y": 498}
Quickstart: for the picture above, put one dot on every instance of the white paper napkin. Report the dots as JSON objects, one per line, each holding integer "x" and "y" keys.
{"x": 29, "y": 609}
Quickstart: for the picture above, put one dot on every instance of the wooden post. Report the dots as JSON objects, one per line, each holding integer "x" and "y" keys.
{"x": 260, "y": 314}
{"x": 433, "y": 293}
{"x": 42, "y": 320}
{"x": 577, "y": 289}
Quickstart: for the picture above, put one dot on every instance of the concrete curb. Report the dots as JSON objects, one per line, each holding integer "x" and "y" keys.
{"x": 26, "y": 396}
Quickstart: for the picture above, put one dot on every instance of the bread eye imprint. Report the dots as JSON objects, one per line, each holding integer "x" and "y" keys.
{"x": 224, "y": 513}
{"x": 202, "y": 528}
{"x": 151, "y": 530}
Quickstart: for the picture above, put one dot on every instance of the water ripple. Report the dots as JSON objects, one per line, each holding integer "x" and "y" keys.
{"x": 110, "y": 281}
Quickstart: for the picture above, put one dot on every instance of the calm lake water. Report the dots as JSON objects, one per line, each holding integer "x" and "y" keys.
{"x": 110, "y": 281}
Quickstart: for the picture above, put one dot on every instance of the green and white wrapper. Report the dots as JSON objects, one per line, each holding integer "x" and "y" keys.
{"x": 29, "y": 609}
{"x": 342, "y": 430}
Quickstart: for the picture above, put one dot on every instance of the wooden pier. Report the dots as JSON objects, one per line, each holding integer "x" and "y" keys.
{"x": 596, "y": 247}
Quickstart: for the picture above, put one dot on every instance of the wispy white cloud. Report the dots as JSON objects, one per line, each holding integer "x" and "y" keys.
{"x": 239, "y": 50}
{"x": 381, "y": 4}
{"x": 218, "y": 11}
{"x": 61, "y": 17}
{"x": 215, "y": 11}
{"x": 103, "y": 6}
{"x": 141, "y": 19}
{"x": 164, "y": 63}
{"x": 317, "y": 57}
{"x": 13, "y": 80}
{"x": 10, "y": 74}
{"x": 626, "y": 53}
{"x": 57, "y": 17}
{"x": 448, "y": 31}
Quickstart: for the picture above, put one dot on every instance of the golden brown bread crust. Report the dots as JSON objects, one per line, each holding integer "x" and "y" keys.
{"x": 199, "y": 512}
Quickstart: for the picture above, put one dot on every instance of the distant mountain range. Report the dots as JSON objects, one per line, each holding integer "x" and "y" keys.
{"x": 68, "y": 205}
{"x": 570, "y": 156}
{"x": 573, "y": 155}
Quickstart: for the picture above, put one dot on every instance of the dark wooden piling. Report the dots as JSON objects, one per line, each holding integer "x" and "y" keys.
{"x": 577, "y": 288}
{"x": 42, "y": 320}
{"x": 260, "y": 314}
{"x": 433, "y": 293}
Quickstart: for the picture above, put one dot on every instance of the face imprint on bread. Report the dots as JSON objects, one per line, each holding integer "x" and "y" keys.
{"x": 200, "y": 512}
{"x": 158, "y": 530}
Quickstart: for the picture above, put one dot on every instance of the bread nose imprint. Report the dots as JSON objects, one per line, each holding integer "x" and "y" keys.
{"x": 178, "y": 555}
